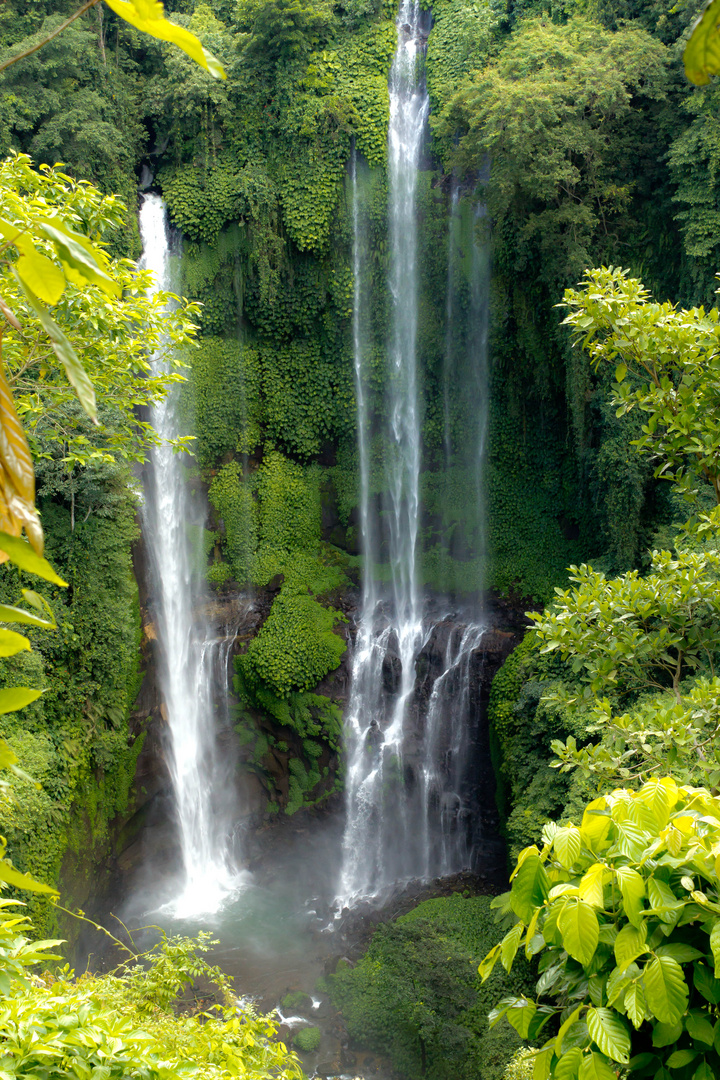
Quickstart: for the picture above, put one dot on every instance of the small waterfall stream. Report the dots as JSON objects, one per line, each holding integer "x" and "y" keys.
{"x": 192, "y": 656}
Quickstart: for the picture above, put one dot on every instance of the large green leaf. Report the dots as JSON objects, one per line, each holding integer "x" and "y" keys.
{"x": 629, "y": 944}
{"x": 665, "y": 989}
{"x": 20, "y": 552}
{"x": 148, "y": 15}
{"x": 77, "y": 376}
{"x": 13, "y": 877}
{"x": 568, "y": 1065}
{"x": 12, "y": 643}
{"x": 580, "y": 930}
{"x": 13, "y": 698}
{"x": 76, "y": 254}
{"x": 567, "y": 845}
{"x": 41, "y": 275}
{"x": 632, "y": 888}
{"x": 609, "y": 1032}
{"x": 530, "y": 888}
{"x": 699, "y": 1027}
{"x": 702, "y": 52}
{"x": 20, "y": 615}
{"x": 595, "y": 1067}
{"x": 520, "y": 1015}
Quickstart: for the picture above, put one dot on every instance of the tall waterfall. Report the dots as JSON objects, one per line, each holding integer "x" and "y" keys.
{"x": 404, "y": 799}
{"x": 192, "y": 657}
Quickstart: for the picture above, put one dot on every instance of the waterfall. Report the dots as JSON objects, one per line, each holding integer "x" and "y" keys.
{"x": 192, "y": 656}
{"x": 413, "y": 711}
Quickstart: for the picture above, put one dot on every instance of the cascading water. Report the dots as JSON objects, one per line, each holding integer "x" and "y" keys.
{"x": 192, "y": 657}
{"x": 412, "y": 706}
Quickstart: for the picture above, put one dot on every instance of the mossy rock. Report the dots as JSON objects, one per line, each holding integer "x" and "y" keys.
{"x": 307, "y": 1039}
{"x": 296, "y": 1000}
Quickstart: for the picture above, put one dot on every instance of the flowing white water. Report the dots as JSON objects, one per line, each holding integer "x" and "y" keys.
{"x": 192, "y": 657}
{"x": 412, "y": 705}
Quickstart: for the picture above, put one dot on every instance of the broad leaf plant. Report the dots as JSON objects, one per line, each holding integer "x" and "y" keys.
{"x": 623, "y": 912}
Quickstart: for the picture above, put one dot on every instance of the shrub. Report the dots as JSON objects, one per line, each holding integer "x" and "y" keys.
{"x": 626, "y": 910}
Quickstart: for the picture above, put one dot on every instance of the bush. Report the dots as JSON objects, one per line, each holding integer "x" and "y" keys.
{"x": 413, "y": 995}
{"x": 626, "y": 910}
{"x": 307, "y": 1039}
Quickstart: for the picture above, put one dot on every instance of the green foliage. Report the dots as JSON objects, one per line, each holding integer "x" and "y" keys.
{"x": 296, "y": 646}
{"x": 625, "y": 910}
{"x": 413, "y": 994}
{"x": 665, "y": 366}
{"x": 223, "y": 388}
{"x": 88, "y": 1026}
{"x": 307, "y": 1039}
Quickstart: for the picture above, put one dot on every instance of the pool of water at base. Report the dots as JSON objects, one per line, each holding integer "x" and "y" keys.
{"x": 275, "y": 935}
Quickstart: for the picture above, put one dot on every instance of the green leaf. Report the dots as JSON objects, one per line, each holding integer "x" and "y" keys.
{"x": 489, "y": 962}
{"x": 609, "y": 1033}
{"x": 635, "y": 1005}
{"x": 520, "y": 1015}
{"x": 12, "y": 643}
{"x": 591, "y": 885}
{"x": 567, "y": 845}
{"x": 699, "y": 1027}
{"x": 705, "y": 984}
{"x": 485, "y": 969}
{"x": 148, "y": 15}
{"x": 666, "y": 1034}
{"x": 19, "y": 615}
{"x": 595, "y": 1067}
{"x": 13, "y": 877}
{"x": 568, "y": 1065}
{"x": 564, "y": 1028}
{"x": 702, "y": 52}
{"x": 681, "y": 1058}
{"x": 715, "y": 946}
{"x": 620, "y": 372}
{"x": 510, "y": 945}
{"x": 20, "y": 552}
{"x": 665, "y": 989}
{"x": 703, "y": 1072}
{"x": 77, "y": 255}
{"x": 632, "y": 888}
{"x": 629, "y": 944}
{"x": 40, "y": 275}
{"x": 580, "y": 930}
{"x": 17, "y": 697}
{"x": 543, "y": 1062}
{"x": 77, "y": 376}
{"x": 530, "y": 888}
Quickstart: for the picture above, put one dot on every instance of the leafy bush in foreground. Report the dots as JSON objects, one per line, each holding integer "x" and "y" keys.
{"x": 626, "y": 912}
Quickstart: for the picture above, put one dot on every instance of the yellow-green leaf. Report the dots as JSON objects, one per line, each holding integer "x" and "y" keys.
{"x": 17, "y": 697}
{"x": 567, "y": 844}
{"x": 609, "y": 1033}
{"x": 13, "y": 877}
{"x": 20, "y": 552}
{"x": 580, "y": 930}
{"x": 41, "y": 275}
{"x": 11, "y": 643}
{"x": 77, "y": 376}
{"x": 702, "y": 52}
{"x": 629, "y": 944}
{"x": 149, "y": 15}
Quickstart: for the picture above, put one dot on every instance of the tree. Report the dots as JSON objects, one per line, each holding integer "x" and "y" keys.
{"x": 624, "y": 911}
{"x": 667, "y": 365}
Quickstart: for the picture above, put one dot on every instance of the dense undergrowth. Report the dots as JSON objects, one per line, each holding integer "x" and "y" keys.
{"x": 414, "y": 994}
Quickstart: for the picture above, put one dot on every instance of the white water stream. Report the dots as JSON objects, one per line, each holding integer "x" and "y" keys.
{"x": 411, "y": 708}
{"x": 192, "y": 655}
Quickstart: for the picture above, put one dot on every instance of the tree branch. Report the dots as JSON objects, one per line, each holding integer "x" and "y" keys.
{"x": 28, "y": 52}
